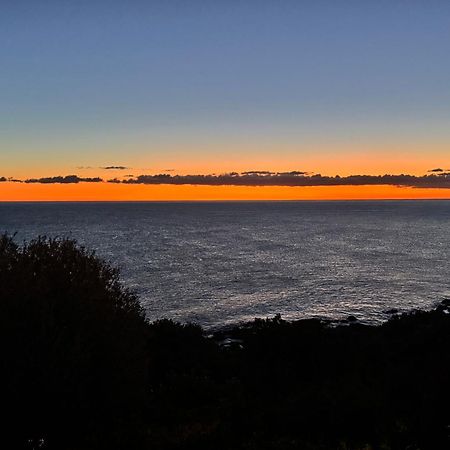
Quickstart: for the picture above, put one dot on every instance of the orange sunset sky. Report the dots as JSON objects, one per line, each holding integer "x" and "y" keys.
{"x": 104, "y": 192}
{"x": 213, "y": 89}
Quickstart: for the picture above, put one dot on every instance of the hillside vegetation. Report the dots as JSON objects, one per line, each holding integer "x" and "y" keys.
{"x": 81, "y": 368}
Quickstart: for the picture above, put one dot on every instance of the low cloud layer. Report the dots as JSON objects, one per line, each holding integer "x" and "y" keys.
{"x": 434, "y": 179}
{"x": 295, "y": 178}
{"x": 115, "y": 168}
{"x": 68, "y": 179}
{"x": 104, "y": 167}
{"x": 9, "y": 180}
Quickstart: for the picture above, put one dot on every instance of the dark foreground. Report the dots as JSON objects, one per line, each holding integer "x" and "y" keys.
{"x": 82, "y": 369}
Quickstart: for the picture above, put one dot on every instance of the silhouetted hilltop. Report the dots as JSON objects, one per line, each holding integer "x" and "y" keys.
{"x": 83, "y": 369}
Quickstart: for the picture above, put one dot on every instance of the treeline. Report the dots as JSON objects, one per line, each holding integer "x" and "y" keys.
{"x": 83, "y": 369}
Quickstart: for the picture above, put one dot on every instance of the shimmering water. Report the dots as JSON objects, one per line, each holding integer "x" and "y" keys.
{"x": 219, "y": 263}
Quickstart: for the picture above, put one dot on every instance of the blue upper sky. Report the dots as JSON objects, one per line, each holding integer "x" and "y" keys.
{"x": 177, "y": 82}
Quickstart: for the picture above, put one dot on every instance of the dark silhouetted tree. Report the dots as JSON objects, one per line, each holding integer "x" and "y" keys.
{"x": 81, "y": 369}
{"x": 72, "y": 343}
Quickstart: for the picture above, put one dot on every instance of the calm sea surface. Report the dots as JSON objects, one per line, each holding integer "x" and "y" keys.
{"x": 221, "y": 263}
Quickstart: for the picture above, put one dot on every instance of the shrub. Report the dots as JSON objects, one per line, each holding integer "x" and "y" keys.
{"x": 72, "y": 344}
{"x": 82, "y": 369}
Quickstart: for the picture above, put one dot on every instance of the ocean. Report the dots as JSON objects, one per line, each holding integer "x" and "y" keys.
{"x": 220, "y": 263}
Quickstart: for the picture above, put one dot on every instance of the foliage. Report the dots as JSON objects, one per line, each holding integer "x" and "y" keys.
{"x": 307, "y": 384}
{"x": 82, "y": 369}
{"x": 73, "y": 348}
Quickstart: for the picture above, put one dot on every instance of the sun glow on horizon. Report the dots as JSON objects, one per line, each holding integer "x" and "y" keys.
{"x": 120, "y": 192}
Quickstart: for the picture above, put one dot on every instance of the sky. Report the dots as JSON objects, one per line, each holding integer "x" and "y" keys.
{"x": 202, "y": 87}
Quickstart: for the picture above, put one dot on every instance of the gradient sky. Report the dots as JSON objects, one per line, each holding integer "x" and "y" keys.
{"x": 208, "y": 86}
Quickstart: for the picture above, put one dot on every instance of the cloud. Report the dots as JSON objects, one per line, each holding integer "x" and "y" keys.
{"x": 295, "y": 178}
{"x": 436, "y": 170}
{"x": 261, "y": 178}
{"x": 295, "y": 173}
{"x": 69, "y": 179}
{"x": 9, "y": 180}
{"x": 115, "y": 168}
{"x": 103, "y": 167}
{"x": 257, "y": 173}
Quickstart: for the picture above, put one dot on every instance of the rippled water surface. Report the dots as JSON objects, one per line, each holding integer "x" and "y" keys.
{"x": 218, "y": 263}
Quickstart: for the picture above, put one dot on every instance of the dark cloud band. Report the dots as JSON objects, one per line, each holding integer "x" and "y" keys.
{"x": 262, "y": 178}
{"x": 294, "y": 179}
{"x": 69, "y": 179}
{"x": 115, "y": 168}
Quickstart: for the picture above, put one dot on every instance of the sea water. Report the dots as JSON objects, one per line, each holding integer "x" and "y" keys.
{"x": 217, "y": 263}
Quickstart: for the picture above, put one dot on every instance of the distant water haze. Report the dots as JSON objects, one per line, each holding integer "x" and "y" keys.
{"x": 220, "y": 263}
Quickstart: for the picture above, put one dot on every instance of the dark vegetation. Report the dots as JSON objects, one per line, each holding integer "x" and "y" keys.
{"x": 82, "y": 369}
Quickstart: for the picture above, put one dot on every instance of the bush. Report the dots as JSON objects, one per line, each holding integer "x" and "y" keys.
{"x": 82, "y": 369}
{"x": 72, "y": 342}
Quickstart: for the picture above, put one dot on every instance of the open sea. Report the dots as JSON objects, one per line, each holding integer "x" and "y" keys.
{"x": 222, "y": 263}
